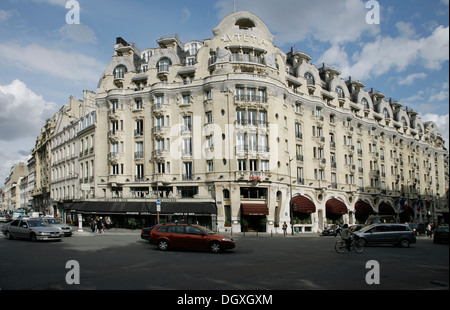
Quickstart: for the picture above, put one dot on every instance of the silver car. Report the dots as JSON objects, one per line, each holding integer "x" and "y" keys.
{"x": 33, "y": 229}
{"x": 66, "y": 229}
{"x": 389, "y": 233}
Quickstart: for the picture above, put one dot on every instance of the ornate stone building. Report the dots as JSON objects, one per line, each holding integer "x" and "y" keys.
{"x": 233, "y": 132}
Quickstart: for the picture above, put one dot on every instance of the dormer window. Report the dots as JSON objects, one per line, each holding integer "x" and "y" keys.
{"x": 119, "y": 72}
{"x": 340, "y": 92}
{"x": 365, "y": 104}
{"x": 309, "y": 78}
{"x": 163, "y": 65}
{"x": 245, "y": 24}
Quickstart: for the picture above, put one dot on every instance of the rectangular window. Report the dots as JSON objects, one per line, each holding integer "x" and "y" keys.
{"x": 242, "y": 165}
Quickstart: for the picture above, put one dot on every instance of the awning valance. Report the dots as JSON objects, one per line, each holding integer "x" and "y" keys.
{"x": 143, "y": 208}
{"x": 254, "y": 209}
{"x": 335, "y": 206}
{"x": 303, "y": 204}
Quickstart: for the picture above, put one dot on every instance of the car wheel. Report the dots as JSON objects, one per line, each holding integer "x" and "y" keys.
{"x": 33, "y": 237}
{"x": 163, "y": 245}
{"x": 404, "y": 243}
{"x": 215, "y": 247}
{"x": 8, "y": 235}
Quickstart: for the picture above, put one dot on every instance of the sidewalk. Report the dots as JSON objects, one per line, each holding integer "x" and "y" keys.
{"x": 122, "y": 231}
{"x": 113, "y": 231}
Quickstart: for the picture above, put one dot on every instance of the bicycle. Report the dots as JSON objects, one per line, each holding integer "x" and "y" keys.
{"x": 356, "y": 245}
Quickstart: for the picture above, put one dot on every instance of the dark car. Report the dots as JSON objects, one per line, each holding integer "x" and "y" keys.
{"x": 333, "y": 230}
{"x": 145, "y": 233}
{"x": 441, "y": 234}
{"x": 186, "y": 236}
{"x": 419, "y": 228}
{"x": 397, "y": 234}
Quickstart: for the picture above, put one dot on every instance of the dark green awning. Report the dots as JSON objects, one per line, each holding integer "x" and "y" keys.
{"x": 143, "y": 208}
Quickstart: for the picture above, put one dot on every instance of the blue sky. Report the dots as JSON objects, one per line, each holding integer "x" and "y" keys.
{"x": 43, "y": 60}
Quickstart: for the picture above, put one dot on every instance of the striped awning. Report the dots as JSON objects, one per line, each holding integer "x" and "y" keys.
{"x": 335, "y": 206}
{"x": 303, "y": 204}
{"x": 254, "y": 209}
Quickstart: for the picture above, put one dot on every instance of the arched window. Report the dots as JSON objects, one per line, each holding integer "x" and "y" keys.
{"x": 226, "y": 194}
{"x": 340, "y": 92}
{"x": 386, "y": 113}
{"x": 163, "y": 65}
{"x": 309, "y": 78}
{"x": 365, "y": 104}
{"x": 119, "y": 72}
{"x": 404, "y": 121}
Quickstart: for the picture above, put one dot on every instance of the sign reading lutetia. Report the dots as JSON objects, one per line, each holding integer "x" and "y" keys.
{"x": 247, "y": 38}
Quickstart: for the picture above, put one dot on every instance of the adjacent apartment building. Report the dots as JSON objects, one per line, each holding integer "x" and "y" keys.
{"x": 233, "y": 133}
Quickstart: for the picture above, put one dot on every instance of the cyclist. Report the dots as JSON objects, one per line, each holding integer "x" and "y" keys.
{"x": 345, "y": 235}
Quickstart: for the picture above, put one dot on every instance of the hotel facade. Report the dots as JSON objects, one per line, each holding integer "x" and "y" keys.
{"x": 233, "y": 133}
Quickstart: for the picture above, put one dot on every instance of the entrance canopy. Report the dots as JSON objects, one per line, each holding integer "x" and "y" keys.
{"x": 335, "y": 206}
{"x": 386, "y": 209}
{"x": 302, "y": 204}
{"x": 143, "y": 208}
{"x": 254, "y": 209}
{"x": 363, "y": 208}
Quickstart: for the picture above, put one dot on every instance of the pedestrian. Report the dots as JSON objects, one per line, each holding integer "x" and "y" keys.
{"x": 92, "y": 224}
{"x": 98, "y": 226}
{"x": 102, "y": 225}
{"x": 284, "y": 228}
{"x": 108, "y": 222}
{"x": 429, "y": 230}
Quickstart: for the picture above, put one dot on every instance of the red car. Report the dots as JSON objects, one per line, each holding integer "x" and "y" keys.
{"x": 186, "y": 236}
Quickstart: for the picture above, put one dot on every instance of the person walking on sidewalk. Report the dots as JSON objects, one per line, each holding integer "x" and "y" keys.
{"x": 284, "y": 229}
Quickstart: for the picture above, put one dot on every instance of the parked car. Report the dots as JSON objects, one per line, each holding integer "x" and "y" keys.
{"x": 186, "y": 236}
{"x": 66, "y": 229}
{"x": 441, "y": 234}
{"x": 333, "y": 230}
{"x": 5, "y": 218}
{"x": 397, "y": 234}
{"x": 145, "y": 233}
{"x": 33, "y": 229}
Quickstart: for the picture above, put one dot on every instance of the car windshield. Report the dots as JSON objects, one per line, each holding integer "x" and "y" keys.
{"x": 37, "y": 223}
{"x": 365, "y": 228}
{"x": 442, "y": 228}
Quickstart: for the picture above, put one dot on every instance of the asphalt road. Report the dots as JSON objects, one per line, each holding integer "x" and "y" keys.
{"x": 125, "y": 262}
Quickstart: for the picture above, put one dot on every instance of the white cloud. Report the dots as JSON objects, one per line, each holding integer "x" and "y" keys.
{"x": 72, "y": 66}
{"x": 385, "y": 54}
{"x": 442, "y": 122}
{"x": 17, "y": 100}
{"x": 439, "y": 94}
{"x": 296, "y": 20}
{"x": 411, "y": 78}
